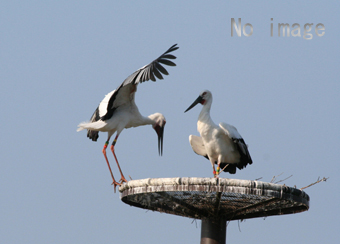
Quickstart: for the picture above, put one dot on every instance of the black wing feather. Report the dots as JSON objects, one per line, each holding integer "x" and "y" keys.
{"x": 169, "y": 56}
{"x": 152, "y": 77}
{"x": 161, "y": 69}
{"x": 156, "y": 72}
{"x": 93, "y": 135}
{"x": 167, "y": 62}
{"x": 243, "y": 150}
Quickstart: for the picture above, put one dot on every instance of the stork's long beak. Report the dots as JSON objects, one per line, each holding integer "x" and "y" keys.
{"x": 160, "y": 132}
{"x": 198, "y": 100}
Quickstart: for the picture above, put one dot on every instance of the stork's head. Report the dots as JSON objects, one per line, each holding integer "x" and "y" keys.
{"x": 158, "y": 125}
{"x": 202, "y": 99}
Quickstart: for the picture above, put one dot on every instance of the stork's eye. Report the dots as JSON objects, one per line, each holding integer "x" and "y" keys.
{"x": 204, "y": 93}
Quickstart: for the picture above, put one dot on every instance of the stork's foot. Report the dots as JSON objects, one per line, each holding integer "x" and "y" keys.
{"x": 216, "y": 175}
{"x": 115, "y": 183}
{"x": 123, "y": 179}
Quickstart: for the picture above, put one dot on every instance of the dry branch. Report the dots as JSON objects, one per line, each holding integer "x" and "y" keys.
{"x": 225, "y": 167}
{"x": 316, "y": 182}
{"x": 274, "y": 177}
{"x": 283, "y": 179}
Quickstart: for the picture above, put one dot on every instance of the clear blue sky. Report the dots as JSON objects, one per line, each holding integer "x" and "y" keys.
{"x": 59, "y": 58}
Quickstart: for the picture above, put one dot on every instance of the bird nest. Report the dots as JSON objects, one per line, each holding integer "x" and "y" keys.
{"x": 200, "y": 198}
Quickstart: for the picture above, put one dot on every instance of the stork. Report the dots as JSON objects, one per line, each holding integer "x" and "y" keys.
{"x": 221, "y": 145}
{"x": 118, "y": 109}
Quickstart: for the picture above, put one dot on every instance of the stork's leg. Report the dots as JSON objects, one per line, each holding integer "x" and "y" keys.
{"x": 122, "y": 179}
{"x": 115, "y": 183}
{"x": 218, "y": 170}
{"x": 213, "y": 166}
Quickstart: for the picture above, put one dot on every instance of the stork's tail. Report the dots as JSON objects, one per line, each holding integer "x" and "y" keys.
{"x": 97, "y": 125}
{"x": 92, "y": 128}
{"x": 80, "y": 127}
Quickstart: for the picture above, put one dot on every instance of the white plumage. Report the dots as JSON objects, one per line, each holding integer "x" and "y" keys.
{"x": 222, "y": 144}
{"x": 118, "y": 110}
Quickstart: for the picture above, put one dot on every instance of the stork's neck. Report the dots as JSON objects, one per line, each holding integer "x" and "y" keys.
{"x": 204, "y": 116}
{"x": 146, "y": 121}
{"x": 150, "y": 120}
{"x": 139, "y": 120}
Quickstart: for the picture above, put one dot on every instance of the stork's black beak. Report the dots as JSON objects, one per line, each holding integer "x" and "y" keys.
{"x": 160, "y": 132}
{"x": 198, "y": 100}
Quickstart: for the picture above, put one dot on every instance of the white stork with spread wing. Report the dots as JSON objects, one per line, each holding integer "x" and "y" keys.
{"x": 118, "y": 109}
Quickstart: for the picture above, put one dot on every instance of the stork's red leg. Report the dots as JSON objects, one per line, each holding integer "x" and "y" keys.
{"x": 213, "y": 166}
{"x": 218, "y": 170}
{"x": 122, "y": 179}
{"x": 115, "y": 183}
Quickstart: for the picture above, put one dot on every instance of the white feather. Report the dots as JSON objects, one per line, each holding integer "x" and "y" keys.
{"x": 197, "y": 145}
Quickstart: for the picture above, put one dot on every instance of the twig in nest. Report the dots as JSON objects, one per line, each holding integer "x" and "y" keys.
{"x": 258, "y": 178}
{"x": 274, "y": 177}
{"x": 316, "y": 182}
{"x": 283, "y": 179}
{"x": 194, "y": 220}
{"x": 225, "y": 167}
{"x": 239, "y": 228}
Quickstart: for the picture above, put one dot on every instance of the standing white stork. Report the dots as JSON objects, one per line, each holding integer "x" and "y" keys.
{"x": 222, "y": 144}
{"x": 118, "y": 109}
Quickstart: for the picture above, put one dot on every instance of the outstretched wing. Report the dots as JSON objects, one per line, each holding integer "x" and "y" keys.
{"x": 238, "y": 141}
{"x": 197, "y": 145}
{"x": 125, "y": 92}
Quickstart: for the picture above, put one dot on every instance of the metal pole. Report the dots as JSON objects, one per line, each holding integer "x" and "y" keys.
{"x": 213, "y": 231}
